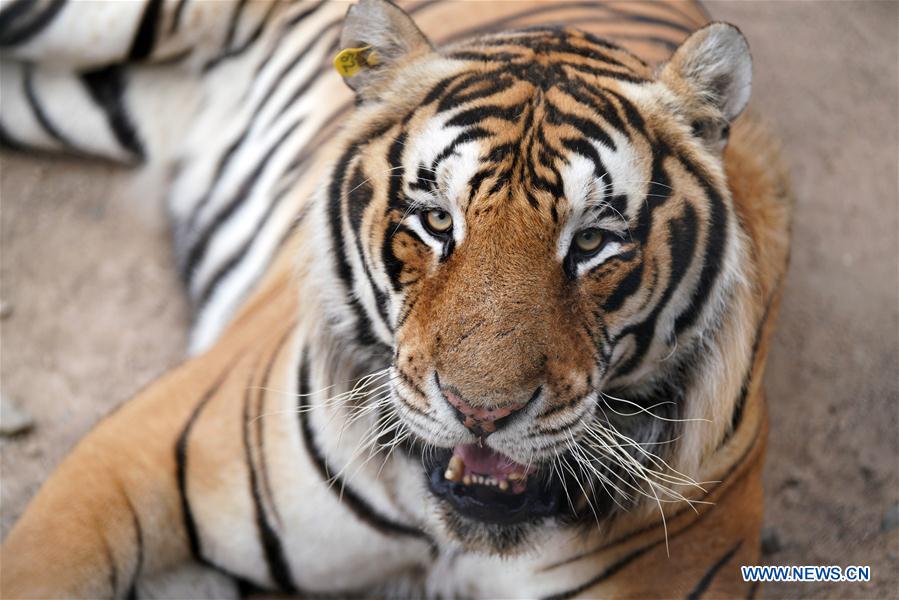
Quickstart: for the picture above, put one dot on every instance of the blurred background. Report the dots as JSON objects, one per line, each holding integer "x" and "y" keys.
{"x": 92, "y": 309}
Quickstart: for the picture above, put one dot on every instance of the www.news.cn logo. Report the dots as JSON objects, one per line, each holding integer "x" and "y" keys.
{"x": 805, "y": 573}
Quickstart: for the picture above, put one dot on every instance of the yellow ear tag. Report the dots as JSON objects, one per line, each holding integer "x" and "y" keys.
{"x": 350, "y": 61}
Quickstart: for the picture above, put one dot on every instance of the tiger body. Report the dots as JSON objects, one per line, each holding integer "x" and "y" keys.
{"x": 259, "y": 460}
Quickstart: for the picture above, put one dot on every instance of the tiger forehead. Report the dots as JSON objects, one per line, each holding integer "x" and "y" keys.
{"x": 518, "y": 147}
{"x": 504, "y": 127}
{"x": 545, "y": 56}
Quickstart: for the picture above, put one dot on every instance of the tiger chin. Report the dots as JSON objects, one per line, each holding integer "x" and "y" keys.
{"x": 548, "y": 271}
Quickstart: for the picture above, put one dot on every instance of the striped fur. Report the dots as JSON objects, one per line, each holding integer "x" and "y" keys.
{"x": 271, "y": 460}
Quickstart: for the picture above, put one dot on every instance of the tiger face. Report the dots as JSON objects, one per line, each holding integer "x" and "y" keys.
{"x": 535, "y": 227}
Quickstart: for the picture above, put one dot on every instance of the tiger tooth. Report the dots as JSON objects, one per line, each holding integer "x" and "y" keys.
{"x": 516, "y": 477}
{"x": 456, "y": 464}
{"x": 504, "y": 485}
{"x": 466, "y": 480}
{"x": 452, "y": 474}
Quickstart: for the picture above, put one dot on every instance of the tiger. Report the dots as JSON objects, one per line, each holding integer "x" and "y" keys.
{"x": 484, "y": 316}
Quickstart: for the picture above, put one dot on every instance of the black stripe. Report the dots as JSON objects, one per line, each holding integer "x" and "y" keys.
{"x": 343, "y": 491}
{"x": 139, "y": 545}
{"x": 257, "y": 110}
{"x": 232, "y": 25}
{"x": 13, "y": 11}
{"x": 470, "y": 134}
{"x": 629, "y": 558}
{"x": 631, "y": 113}
{"x": 198, "y": 252}
{"x": 393, "y": 266}
{"x": 283, "y": 31}
{"x": 716, "y": 239}
{"x": 737, "y": 415}
{"x": 626, "y": 288}
{"x": 592, "y": 97}
{"x": 251, "y": 39}
{"x": 724, "y": 480}
{"x": 236, "y": 257}
{"x": 176, "y": 17}
{"x": 31, "y": 28}
{"x": 190, "y": 525}
{"x": 8, "y": 141}
{"x": 315, "y": 39}
{"x": 265, "y": 385}
{"x": 462, "y": 92}
{"x": 608, "y": 571}
{"x": 113, "y": 568}
{"x": 304, "y": 14}
{"x": 269, "y": 540}
{"x": 359, "y": 197}
{"x": 107, "y": 88}
{"x": 682, "y": 239}
{"x": 587, "y": 150}
{"x": 38, "y": 110}
{"x": 145, "y": 39}
{"x": 223, "y": 162}
{"x": 311, "y": 79}
{"x": 477, "y": 114}
{"x": 586, "y": 126}
{"x": 706, "y": 580}
{"x": 364, "y": 334}
{"x": 494, "y": 56}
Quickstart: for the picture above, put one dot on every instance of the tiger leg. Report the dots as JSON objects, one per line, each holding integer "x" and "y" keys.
{"x": 111, "y": 515}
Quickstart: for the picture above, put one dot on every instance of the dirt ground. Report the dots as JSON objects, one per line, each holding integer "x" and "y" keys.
{"x": 96, "y": 310}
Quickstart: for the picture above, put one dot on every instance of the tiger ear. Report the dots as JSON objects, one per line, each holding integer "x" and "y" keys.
{"x": 712, "y": 72}
{"x": 386, "y": 34}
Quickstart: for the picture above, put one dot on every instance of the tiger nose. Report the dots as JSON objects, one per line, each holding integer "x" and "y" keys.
{"x": 483, "y": 421}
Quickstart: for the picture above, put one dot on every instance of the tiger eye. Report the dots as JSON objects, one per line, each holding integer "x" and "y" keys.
{"x": 588, "y": 240}
{"x": 439, "y": 221}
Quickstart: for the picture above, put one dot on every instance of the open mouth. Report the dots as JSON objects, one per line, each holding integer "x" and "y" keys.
{"x": 483, "y": 484}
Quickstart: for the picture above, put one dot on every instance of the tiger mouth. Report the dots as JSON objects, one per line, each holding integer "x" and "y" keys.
{"x": 485, "y": 485}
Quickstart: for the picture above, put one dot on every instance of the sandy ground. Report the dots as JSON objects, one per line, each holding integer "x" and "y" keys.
{"x": 97, "y": 312}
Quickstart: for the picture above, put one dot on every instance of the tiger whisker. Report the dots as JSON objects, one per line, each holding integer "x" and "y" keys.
{"x": 339, "y": 399}
{"x": 647, "y": 410}
{"x": 649, "y": 455}
{"x": 564, "y": 463}
{"x": 636, "y": 469}
{"x": 582, "y": 460}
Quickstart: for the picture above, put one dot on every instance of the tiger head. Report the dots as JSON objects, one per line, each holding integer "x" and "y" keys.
{"x": 534, "y": 229}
